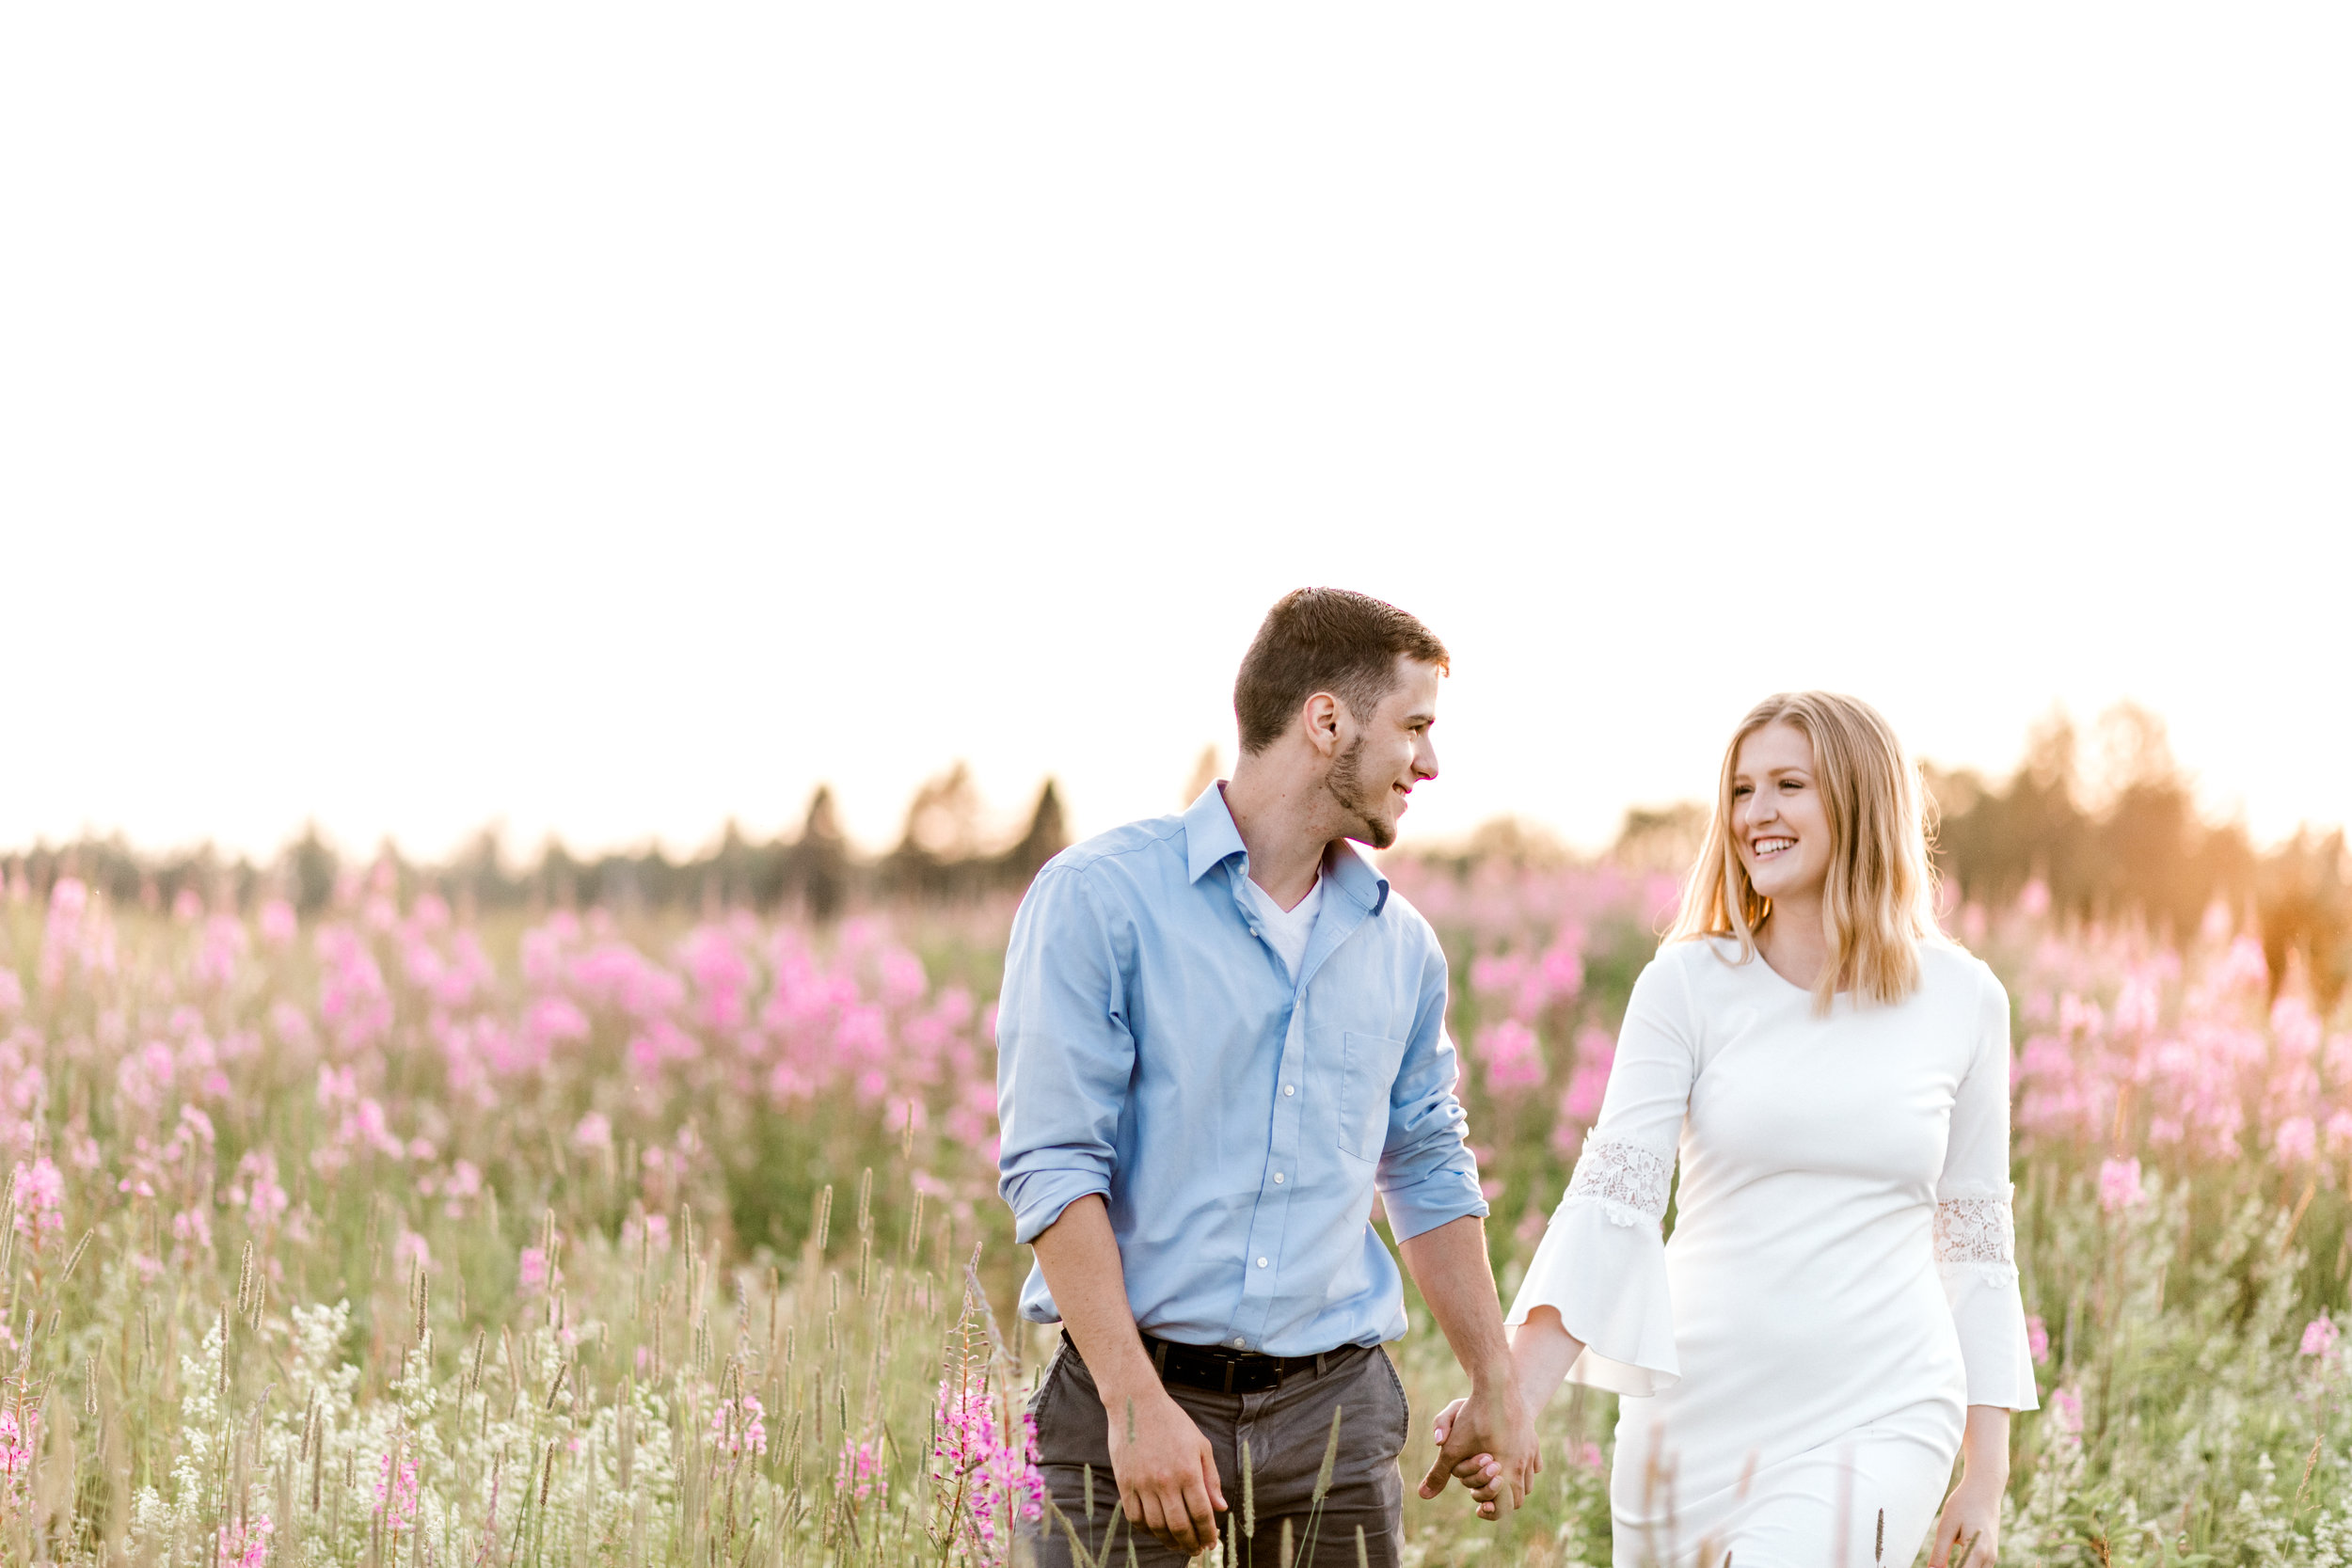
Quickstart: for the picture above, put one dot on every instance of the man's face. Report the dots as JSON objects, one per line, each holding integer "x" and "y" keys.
{"x": 1383, "y": 756}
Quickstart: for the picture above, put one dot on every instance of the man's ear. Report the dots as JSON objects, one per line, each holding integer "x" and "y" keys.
{"x": 1322, "y": 713}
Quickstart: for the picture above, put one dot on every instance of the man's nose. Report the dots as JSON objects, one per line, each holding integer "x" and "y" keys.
{"x": 1425, "y": 761}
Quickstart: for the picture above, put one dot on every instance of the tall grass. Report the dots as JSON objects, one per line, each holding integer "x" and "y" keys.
{"x": 392, "y": 1240}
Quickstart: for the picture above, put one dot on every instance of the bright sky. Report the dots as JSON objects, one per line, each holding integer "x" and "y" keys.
{"x": 611, "y": 419}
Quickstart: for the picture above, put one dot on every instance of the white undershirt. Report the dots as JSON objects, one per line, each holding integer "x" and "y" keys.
{"x": 1287, "y": 930}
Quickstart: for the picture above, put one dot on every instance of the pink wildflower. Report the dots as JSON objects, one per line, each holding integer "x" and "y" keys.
{"x": 2340, "y": 1131}
{"x": 859, "y": 1472}
{"x": 278, "y": 923}
{"x": 20, "y": 1430}
{"x": 1512, "y": 1057}
{"x": 193, "y": 1229}
{"x": 1580, "y": 1102}
{"x": 246, "y": 1546}
{"x": 534, "y": 1270}
{"x": 2295, "y": 1141}
{"x": 2066, "y": 1414}
{"x": 996, "y": 1464}
{"x": 18, "y": 1433}
{"x": 461, "y": 1186}
{"x": 740, "y": 1426}
{"x": 2038, "y": 1338}
{"x": 2319, "y": 1339}
{"x": 396, "y": 1498}
{"x": 257, "y": 1188}
{"x": 594, "y": 1131}
{"x": 2119, "y": 1185}
{"x": 39, "y": 1199}
{"x": 1497, "y": 972}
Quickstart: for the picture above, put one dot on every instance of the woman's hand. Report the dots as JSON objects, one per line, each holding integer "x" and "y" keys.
{"x": 1481, "y": 1474}
{"x": 1973, "y": 1513}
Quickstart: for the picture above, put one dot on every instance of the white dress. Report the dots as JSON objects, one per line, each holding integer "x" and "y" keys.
{"x": 1841, "y": 1283}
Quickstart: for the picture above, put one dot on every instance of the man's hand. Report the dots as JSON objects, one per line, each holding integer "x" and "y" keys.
{"x": 1487, "y": 1443}
{"x": 1450, "y": 1265}
{"x": 1166, "y": 1469}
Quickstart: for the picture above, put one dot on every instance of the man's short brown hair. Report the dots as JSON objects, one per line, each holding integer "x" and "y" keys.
{"x": 1324, "y": 639}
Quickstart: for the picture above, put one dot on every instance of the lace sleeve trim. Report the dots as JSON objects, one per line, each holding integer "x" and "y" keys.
{"x": 1977, "y": 1233}
{"x": 1628, "y": 1181}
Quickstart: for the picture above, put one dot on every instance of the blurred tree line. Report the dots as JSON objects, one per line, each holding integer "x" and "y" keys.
{"x": 2110, "y": 830}
{"x": 943, "y": 855}
{"x": 2104, "y": 825}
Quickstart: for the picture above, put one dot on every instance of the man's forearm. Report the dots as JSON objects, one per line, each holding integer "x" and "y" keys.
{"x": 1079, "y": 1256}
{"x": 1451, "y": 1267}
{"x": 1166, "y": 1470}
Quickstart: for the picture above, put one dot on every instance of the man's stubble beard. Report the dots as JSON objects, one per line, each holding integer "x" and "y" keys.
{"x": 1346, "y": 785}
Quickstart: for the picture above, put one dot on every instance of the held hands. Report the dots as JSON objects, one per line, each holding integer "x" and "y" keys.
{"x": 1487, "y": 1443}
{"x": 1166, "y": 1470}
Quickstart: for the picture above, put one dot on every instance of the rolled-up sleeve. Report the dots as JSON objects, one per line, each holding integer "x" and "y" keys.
{"x": 1063, "y": 1053}
{"x": 1427, "y": 1174}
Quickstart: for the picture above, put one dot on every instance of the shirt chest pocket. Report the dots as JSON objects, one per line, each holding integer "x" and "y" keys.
{"x": 1368, "y": 1065}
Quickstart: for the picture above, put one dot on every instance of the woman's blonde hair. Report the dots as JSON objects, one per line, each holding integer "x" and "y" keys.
{"x": 1879, "y": 899}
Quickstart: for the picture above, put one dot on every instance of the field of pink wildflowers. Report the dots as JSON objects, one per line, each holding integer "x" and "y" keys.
{"x": 396, "y": 1237}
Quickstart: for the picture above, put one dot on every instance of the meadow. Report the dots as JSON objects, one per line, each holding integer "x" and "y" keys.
{"x": 394, "y": 1235}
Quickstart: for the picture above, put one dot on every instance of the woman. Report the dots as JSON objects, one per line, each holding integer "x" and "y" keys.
{"x": 1837, "y": 1315}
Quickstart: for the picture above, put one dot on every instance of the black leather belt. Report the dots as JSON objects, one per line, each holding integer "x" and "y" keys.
{"x": 1222, "y": 1370}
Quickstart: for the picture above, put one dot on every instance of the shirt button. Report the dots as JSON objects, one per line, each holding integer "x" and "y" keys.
{"x": 1290, "y": 1088}
{"x": 1262, "y": 1262}
{"x": 1239, "y": 1343}
{"x": 1278, "y": 1178}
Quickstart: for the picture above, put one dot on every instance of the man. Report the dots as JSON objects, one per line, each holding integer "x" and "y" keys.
{"x": 1219, "y": 1033}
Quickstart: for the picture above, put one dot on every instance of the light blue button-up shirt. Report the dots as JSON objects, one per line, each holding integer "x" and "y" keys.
{"x": 1153, "y": 1047}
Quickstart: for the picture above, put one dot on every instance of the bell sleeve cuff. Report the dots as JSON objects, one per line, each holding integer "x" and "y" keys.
{"x": 1975, "y": 1254}
{"x": 1603, "y": 1267}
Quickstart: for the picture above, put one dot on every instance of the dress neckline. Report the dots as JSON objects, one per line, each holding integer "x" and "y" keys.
{"x": 1760, "y": 962}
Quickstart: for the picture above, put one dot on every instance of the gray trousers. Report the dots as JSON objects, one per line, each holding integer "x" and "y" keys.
{"x": 1286, "y": 1429}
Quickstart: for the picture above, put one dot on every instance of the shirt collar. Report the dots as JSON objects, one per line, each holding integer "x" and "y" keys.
{"x": 1211, "y": 839}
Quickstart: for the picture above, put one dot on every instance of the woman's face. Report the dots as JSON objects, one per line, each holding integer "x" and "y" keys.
{"x": 1776, "y": 814}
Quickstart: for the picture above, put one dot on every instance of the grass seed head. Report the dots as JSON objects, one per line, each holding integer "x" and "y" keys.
{"x": 1248, "y": 1493}
{"x": 1331, "y": 1455}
